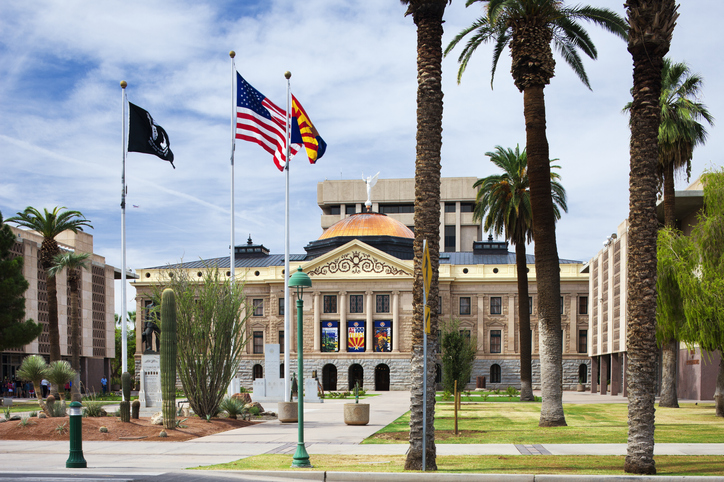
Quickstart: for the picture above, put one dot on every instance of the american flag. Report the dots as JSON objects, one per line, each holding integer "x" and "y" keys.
{"x": 259, "y": 120}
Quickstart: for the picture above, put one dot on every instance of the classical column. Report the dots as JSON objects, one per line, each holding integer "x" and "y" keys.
{"x": 317, "y": 324}
{"x": 368, "y": 321}
{"x": 604, "y": 373}
{"x": 343, "y": 307}
{"x": 594, "y": 374}
{"x": 511, "y": 325}
{"x": 395, "y": 321}
{"x": 573, "y": 324}
{"x": 615, "y": 373}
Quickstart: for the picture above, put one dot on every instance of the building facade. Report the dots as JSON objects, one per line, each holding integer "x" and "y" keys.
{"x": 358, "y": 312}
{"x": 96, "y": 307}
{"x": 608, "y": 269}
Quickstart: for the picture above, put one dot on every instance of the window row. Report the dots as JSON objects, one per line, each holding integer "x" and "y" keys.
{"x": 355, "y": 336}
{"x": 356, "y": 304}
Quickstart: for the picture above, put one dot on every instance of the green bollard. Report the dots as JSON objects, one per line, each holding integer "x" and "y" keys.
{"x": 75, "y": 459}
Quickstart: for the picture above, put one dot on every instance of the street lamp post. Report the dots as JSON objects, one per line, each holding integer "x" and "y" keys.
{"x": 299, "y": 280}
{"x": 75, "y": 458}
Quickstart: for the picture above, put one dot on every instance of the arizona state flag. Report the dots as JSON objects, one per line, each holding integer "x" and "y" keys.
{"x": 311, "y": 139}
{"x": 144, "y": 135}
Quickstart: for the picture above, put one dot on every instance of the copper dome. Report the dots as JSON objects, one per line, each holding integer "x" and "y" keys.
{"x": 368, "y": 224}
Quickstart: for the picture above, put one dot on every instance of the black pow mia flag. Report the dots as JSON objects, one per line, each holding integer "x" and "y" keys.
{"x": 144, "y": 135}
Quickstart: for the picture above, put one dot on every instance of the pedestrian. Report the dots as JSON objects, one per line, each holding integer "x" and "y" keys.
{"x": 104, "y": 385}
{"x": 44, "y": 387}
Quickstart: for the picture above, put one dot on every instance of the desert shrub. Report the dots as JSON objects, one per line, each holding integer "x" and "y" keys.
{"x": 254, "y": 411}
{"x": 511, "y": 391}
{"x": 93, "y": 409}
{"x": 233, "y": 407}
{"x": 446, "y": 395}
{"x": 57, "y": 409}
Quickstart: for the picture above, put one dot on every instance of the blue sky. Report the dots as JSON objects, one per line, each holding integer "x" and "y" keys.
{"x": 353, "y": 68}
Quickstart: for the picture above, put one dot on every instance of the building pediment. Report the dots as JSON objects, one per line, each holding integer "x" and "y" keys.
{"x": 359, "y": 260}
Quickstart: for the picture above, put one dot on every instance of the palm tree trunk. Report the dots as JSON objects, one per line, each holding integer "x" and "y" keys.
{"x": 546, "y": 258}
{"x": 53, "y": 332}
{"x": 526, "y": 376}
{"x": 75, "y": 337}
{"x": 670, "y": 348}
{"x": 719, "y": 392}
{"x": 427, "y": 16}
{"x": 651, "y": 25}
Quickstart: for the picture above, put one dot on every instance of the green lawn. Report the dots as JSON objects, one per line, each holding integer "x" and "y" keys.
{"x": 711, "y": 465}
{"x": 517, "y": 423}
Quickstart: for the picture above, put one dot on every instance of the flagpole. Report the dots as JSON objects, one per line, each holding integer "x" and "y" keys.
{"x": 124, "y": 310}
{"x": 287, "y": 314}
{"x": 233, "y": 386}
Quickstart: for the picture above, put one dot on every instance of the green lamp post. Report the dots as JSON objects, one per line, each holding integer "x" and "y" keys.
{"x": 299, "y": 280}
{"x": 75, "y": 459}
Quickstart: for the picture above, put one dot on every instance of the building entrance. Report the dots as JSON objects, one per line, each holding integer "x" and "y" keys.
{"x": 382, "y": 378}
{"x": 329, "y": 378}
{"x": 356, "y": 374}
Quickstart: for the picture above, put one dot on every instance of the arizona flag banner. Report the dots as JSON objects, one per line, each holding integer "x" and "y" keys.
{"x": 260, "y": 121}
{"x": 356, "y": 336}
{"x": 311, "y": 139}
{"x": 145, "y": 136}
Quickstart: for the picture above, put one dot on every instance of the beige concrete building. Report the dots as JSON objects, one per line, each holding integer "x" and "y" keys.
{"x": 358, "y": 312}
{"x": 608, "y": 269}
{"x": 96, "y": 307}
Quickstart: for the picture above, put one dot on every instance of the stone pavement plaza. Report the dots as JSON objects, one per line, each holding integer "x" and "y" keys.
{"x": 325, "y": 433}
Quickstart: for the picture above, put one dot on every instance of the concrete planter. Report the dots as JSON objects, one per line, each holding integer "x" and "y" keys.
{"x": 288, "y": 412}
{"x": 356, "y": 413}
{"x": 581, "y": 387}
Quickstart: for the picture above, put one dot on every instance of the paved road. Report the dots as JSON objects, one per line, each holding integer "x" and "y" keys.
{"x": 325, "y": 433}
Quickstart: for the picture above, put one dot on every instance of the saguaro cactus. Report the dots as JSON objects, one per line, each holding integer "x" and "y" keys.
{"x": 126, "y": 404}
{"x": 135, "y": 408}
{"x": 168, "y": 357}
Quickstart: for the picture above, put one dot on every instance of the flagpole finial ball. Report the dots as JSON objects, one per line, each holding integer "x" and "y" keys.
{"x": 232, "y": 54}
{"x": 287, "y": 75}
{"x": 123, "y": 84}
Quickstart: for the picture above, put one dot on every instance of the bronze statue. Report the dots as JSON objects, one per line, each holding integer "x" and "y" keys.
{"x": 149, "y": 329}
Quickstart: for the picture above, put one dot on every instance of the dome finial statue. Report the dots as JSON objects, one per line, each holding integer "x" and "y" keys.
{"x": 370, "y": 181}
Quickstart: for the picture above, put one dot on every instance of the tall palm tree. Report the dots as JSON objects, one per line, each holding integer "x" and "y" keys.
{"x": 529, "y": 27}
{"x": 50, "y": 224}
{"x": 427, "y": 15}
{"x": 679, "y": 133}
{"x": 73, "y": 263}
{"x": 651, "y": 26}
{"x": 505, "y": 199}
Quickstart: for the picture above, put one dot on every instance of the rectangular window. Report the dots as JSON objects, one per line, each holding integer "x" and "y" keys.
{"x": 397, "y": 208}
{"x": 496, "y": 305}
{"x": 383, "y": 336}
{"x": 561, "y": 305}
{"x": 259, "y": 342}
{"x": 582, "y": 341}
{"x": 583, "y": 305}
{"x": 281, "y": 306}
{"x": 355, "y": 336}
{"x": 281, "y": 342}
{"x": 356, "y": 303}
{"x": 494, "y": 341}
{"x": 383, "y": 304}
{"x": 350, "y": 209}
{"x": 330, "y": 336}
{"x": 466, "y": 207}
{"x": 450, "y": 238}
{"x": 464, "y": 305}
{"x": 466, "y": 335}
{"x": 258, "y": 305}
{"x": 449, "y": 207}
{"x": 530, "y": 305}
{"x": 330, "y": 303}
{"x": 333, "y": 209}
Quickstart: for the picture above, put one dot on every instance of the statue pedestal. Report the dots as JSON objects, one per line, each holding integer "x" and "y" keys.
{"x": 150, "y": 393}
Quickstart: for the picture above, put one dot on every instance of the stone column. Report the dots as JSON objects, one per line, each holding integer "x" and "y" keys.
{"x": 481, "y": 324}
{"x": 317, "y": 324}
{"x": 395, "y": 321}
{"x": 511, "y": 325}
{"x": 343, "y": 307}
{"x": 368, "y": 320}
{"x": 604, "y": 373}
{"x": 594, "y": 374}
{"x": 615, "y": 373}
{"x": 573, "y": 324}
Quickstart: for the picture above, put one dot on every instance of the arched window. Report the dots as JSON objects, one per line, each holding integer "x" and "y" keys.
{"x": 583, "y": 373}
{"x": 257, "y": 372}
{"x": 495, "y": 373}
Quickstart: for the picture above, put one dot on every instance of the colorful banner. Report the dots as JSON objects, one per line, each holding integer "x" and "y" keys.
{"x": 383, "y": 336}
{"x": 330, "y": 336}
{"x": 355, "y": 336}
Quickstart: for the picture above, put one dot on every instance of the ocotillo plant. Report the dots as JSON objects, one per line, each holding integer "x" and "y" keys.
{"x": 168, "y": 358}
{"x": 126, "y": 404}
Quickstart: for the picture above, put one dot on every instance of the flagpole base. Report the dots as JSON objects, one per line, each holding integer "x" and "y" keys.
{"x": 301, "y": 458}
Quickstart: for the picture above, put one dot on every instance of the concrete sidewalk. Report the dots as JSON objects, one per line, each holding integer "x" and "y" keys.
{"x": 325, "y": 433}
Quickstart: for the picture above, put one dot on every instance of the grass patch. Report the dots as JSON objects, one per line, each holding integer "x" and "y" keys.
{"x": 702, "y": 465}
{"x": 587, "y": 423}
